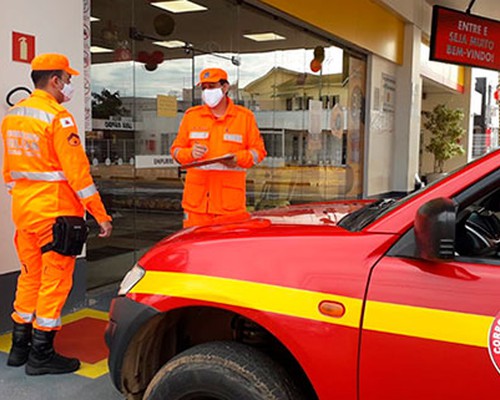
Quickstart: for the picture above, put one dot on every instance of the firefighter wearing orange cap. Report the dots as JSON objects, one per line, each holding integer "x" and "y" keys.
{"x": 48, "y": 175}
{"x": 216, "y": 192}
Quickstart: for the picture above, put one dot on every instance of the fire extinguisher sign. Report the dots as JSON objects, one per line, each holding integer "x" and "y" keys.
{"x": 23, "y": 47}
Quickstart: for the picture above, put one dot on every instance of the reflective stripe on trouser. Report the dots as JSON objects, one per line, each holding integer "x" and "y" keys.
{"x": 197, "y": 219}
{"x": 45, "y": 280}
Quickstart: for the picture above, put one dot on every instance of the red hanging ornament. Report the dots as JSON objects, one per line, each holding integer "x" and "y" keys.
{"x": 157, "y": 56}
{"x": 122, "y": 52}
{"x": 143, "y": 57}
{"x": 315, "y": 65}
{"x": 319, "y": 57}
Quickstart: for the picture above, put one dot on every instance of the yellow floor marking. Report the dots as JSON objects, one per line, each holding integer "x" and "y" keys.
{"x": 5, "y": 342}
{"x": 92, "y": 371}
{"x": 83, "y": 313}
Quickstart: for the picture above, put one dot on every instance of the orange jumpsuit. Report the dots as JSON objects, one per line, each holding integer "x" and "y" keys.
{"x": 217, "y": 192}
{"x": 48, "y": 175}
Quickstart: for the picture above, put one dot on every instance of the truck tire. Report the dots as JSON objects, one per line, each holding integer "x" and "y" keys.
{"x": 222, "y": 371}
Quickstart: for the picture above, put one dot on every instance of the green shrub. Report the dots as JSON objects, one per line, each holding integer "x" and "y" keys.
{"x": 446, "y": 130}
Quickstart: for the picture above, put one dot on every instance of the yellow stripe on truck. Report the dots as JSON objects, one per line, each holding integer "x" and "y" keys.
{"x": 257, "y": 296}
{"x": 425, "y": 323}
{"x": 428, "y": 323}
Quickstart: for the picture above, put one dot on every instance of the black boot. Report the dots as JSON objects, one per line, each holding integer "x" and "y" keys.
{"x": 43, "y": 359}
{"x": 21, "y": 344}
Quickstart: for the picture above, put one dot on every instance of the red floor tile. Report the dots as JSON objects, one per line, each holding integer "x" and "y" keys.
{"x": 83, "y": 339}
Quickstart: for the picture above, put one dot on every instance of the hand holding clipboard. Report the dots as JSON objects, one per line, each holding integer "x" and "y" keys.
{"x": 222, "y": 159}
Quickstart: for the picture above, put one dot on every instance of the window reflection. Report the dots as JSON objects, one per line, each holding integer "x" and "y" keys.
{"x": 312, "y": 122}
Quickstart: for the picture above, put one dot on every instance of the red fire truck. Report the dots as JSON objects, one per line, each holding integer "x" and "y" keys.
{"x": 362, "y": 300}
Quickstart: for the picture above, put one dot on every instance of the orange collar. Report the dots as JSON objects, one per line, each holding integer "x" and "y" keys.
{"x": 42, "y": 94}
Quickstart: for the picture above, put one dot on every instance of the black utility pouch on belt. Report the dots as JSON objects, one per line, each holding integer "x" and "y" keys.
{"x": 69, "y": 236}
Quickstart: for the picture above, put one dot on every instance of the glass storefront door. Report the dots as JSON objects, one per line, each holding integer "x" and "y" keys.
{"x": 145, "y": 64}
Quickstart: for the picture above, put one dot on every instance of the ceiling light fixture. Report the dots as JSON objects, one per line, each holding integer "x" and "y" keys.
{"x": 179, "y": 6}
{"x": 94, "y": 19}
{"x": 171, "y": 44}
{"x": 99, "y": 49}
{"x": 264, "y": 37}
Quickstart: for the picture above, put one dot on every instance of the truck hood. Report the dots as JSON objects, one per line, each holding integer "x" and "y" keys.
{"x": 325, "y": 213}
{"x": 310, "y": 255}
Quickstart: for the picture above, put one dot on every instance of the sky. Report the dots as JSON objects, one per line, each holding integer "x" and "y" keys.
{"x": 174, "y": 75}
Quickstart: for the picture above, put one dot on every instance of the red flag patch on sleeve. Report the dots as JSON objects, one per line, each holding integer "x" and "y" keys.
{"x": 74, "y": 139}
{"x": 66, "y": 122}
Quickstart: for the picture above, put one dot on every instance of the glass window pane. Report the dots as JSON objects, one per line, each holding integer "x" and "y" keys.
{"x": 306, "y": 92}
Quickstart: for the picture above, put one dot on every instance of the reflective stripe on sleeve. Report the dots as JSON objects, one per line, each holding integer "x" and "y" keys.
{"x": 48, "y": 322}
{"x": 10, "y": 185}
{"x": 87, "y": 192}
{"x": 33, "y": 113}
{"x": 175, "y": 153}
{"x": 220, "y": 167}
{"x": 26, "y": 317}
{"x": 255, "y": 156}
{"x": 52, "y": 176}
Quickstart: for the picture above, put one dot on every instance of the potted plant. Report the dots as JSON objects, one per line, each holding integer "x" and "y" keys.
{"x": 445, "y": 126}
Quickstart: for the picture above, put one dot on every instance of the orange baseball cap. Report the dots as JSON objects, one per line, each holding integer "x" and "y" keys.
{"x": 212, "y": 75}
{"x": 52, "y": 61}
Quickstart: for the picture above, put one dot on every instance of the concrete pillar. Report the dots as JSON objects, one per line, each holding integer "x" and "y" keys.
{"x": 408, "y": 106}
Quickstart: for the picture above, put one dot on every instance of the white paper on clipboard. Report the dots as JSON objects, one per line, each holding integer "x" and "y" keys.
{"x": 207, "y": 161}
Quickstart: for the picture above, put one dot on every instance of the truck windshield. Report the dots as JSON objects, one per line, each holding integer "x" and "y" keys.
{"x": 361, "y": 218}
{"x": 358, "y": 219}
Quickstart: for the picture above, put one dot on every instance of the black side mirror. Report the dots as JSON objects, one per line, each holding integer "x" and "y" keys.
{"x": 435, "y": 230}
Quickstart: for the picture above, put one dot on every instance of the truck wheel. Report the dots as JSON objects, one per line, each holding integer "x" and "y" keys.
{"x": 222, "y": 371}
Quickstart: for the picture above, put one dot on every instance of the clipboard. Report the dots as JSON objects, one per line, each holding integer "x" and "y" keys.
{"x": 207, "y": 161}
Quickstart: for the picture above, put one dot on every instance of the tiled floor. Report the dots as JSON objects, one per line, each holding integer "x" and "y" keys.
{"x": 16, "y": 385}
{"x": 82, "y": 337}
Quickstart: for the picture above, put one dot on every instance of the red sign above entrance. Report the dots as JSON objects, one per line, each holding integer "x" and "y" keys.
{"x": 23, "y": 47}
{"x": 466, "y": 39}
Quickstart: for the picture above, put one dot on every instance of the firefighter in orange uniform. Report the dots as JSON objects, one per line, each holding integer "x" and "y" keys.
{"x": 216, "y": 192}
{"x": 48, "y": 175}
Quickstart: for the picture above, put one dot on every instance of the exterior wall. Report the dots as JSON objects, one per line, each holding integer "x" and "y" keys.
{"x": 362, "y": 22}
{"x": 418, "y": 12}
{"x": 58, "y": 27}
{"x": 380, "y": 131}
{"x": 407, "y": 123}
{"x": 64, "y": 34}
{"x": 410, "y": 140}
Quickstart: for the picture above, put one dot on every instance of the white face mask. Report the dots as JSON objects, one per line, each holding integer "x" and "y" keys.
{"x": 67, "y": 91}
{"x": 212, "y": 97}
